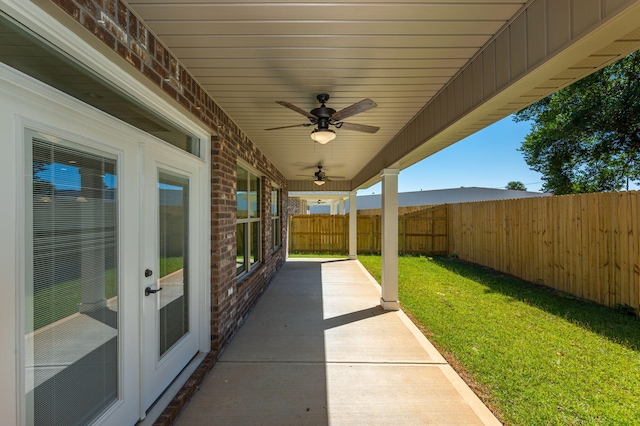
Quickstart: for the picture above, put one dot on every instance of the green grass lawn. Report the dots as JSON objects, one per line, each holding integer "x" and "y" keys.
{"x": 535, "y": 356}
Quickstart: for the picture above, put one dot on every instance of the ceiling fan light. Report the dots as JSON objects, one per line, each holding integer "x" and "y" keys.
{"x": 319, "y": 182}
{"x": 322, "y": 136}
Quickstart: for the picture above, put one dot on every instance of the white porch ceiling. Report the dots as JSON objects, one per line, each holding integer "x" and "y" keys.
{"x": 250, "y": 54}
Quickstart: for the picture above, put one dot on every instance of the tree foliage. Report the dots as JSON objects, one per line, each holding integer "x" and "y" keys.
{"x": 516, "y": 185}
{"x": 586, "y": 137}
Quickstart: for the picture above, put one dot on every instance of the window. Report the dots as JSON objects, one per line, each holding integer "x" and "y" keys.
{"x": 248, "y": 232}
{"x": 67, "y": 75}
{"x": 275, "y": 218}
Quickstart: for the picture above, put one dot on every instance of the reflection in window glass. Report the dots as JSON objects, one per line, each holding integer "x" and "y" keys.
{"x": 71, "y": 341}
{"x": 242, "y": 193}
{"x": 255, "y": 197}
{"x": 240, "y": 252}
{"x": 173, "y": 218}
{"x": 255, "y": 243}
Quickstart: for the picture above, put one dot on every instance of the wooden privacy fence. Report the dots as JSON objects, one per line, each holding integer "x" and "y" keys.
{"x": 586, "y": 245}
{"x": 422, "y": 232}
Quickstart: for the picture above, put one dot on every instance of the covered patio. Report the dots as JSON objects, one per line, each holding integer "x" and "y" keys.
{"x": 319, "y": 349}
{"x": 213, "y": 99}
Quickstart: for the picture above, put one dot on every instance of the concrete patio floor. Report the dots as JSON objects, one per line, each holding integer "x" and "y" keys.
{"x": 319, "y": 350}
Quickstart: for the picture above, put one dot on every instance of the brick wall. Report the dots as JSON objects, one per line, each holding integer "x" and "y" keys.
{"x": 117, "y": 27}
{"x": 296, "y": 206}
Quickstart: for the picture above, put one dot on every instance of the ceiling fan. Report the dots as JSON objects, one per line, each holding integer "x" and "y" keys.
{"x": 324, "y": 117}
{"x": 321, "y": 177}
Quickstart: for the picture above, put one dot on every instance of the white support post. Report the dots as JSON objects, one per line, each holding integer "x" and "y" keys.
{"x": 341, "y": 210}
{"x": 389, "y": 299}
{"x": 353, "y": 226}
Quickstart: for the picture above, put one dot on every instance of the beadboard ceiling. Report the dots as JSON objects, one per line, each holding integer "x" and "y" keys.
{"x": 250, "y": 54}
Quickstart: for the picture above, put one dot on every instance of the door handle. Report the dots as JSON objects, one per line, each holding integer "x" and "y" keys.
{"x": 148, "y": 291}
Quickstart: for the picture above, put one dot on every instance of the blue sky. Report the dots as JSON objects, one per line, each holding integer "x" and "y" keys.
{"x": 488, "y": 159}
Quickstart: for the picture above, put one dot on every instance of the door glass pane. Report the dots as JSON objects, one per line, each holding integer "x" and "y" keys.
{"x": 174, "y": 271}
{"x": 71, "y": 322}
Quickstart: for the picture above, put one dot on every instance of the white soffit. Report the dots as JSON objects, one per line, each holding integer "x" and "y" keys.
{"x": 248, "y": 55}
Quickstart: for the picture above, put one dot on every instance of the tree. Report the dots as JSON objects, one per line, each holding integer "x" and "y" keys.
{"x": 586, "y": 137}
{"x": 516, "y": 185}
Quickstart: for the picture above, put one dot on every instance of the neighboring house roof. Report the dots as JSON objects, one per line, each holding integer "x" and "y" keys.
{"x": 446, "y": 196}
{"x": 440, "y": 196}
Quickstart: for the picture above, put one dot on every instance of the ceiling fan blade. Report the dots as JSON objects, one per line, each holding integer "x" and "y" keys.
{"x": 359, "y": 127}
{"x": 335, "y": 177}
{"x": 292, "y": 107}
{"x": 357, "y": 108}
{"x": 293, "y": 125}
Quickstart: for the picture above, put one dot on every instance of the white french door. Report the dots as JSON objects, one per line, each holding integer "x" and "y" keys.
{"x": 87, "y": 330}
{"x": 170, "y": 269}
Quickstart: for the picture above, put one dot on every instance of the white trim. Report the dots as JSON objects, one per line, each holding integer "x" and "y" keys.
{"x": 67, "y": 138}
{"x": 42, "y": 23}
{"x": 249, "y": 168}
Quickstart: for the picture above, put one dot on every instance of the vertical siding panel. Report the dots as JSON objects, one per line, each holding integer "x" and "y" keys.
{"x": 459, "y": 93}
{"x": 558, "y": 24}
{"x": 611, "y": 6}
{"x": 467, "y": 88}
{"x": 476, "y": 81}
{"x": 536, "y": 38}
{"x": 489, "y": 71}
{"x": 452, "y": 105}
{"x": 502, "y": 60}
{"x": 518, "y": 47}
{"x": 585, "y": 14}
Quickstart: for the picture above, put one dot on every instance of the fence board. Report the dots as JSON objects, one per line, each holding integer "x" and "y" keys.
{"x": 586, "y": 245}
{"x": 421, "y": 232}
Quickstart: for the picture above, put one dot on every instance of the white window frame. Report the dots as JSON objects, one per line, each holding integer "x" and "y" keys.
{"x": 254, "y": 218}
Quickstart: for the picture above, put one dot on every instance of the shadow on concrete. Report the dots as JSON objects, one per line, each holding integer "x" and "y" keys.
{"x": 273, "y": 372}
